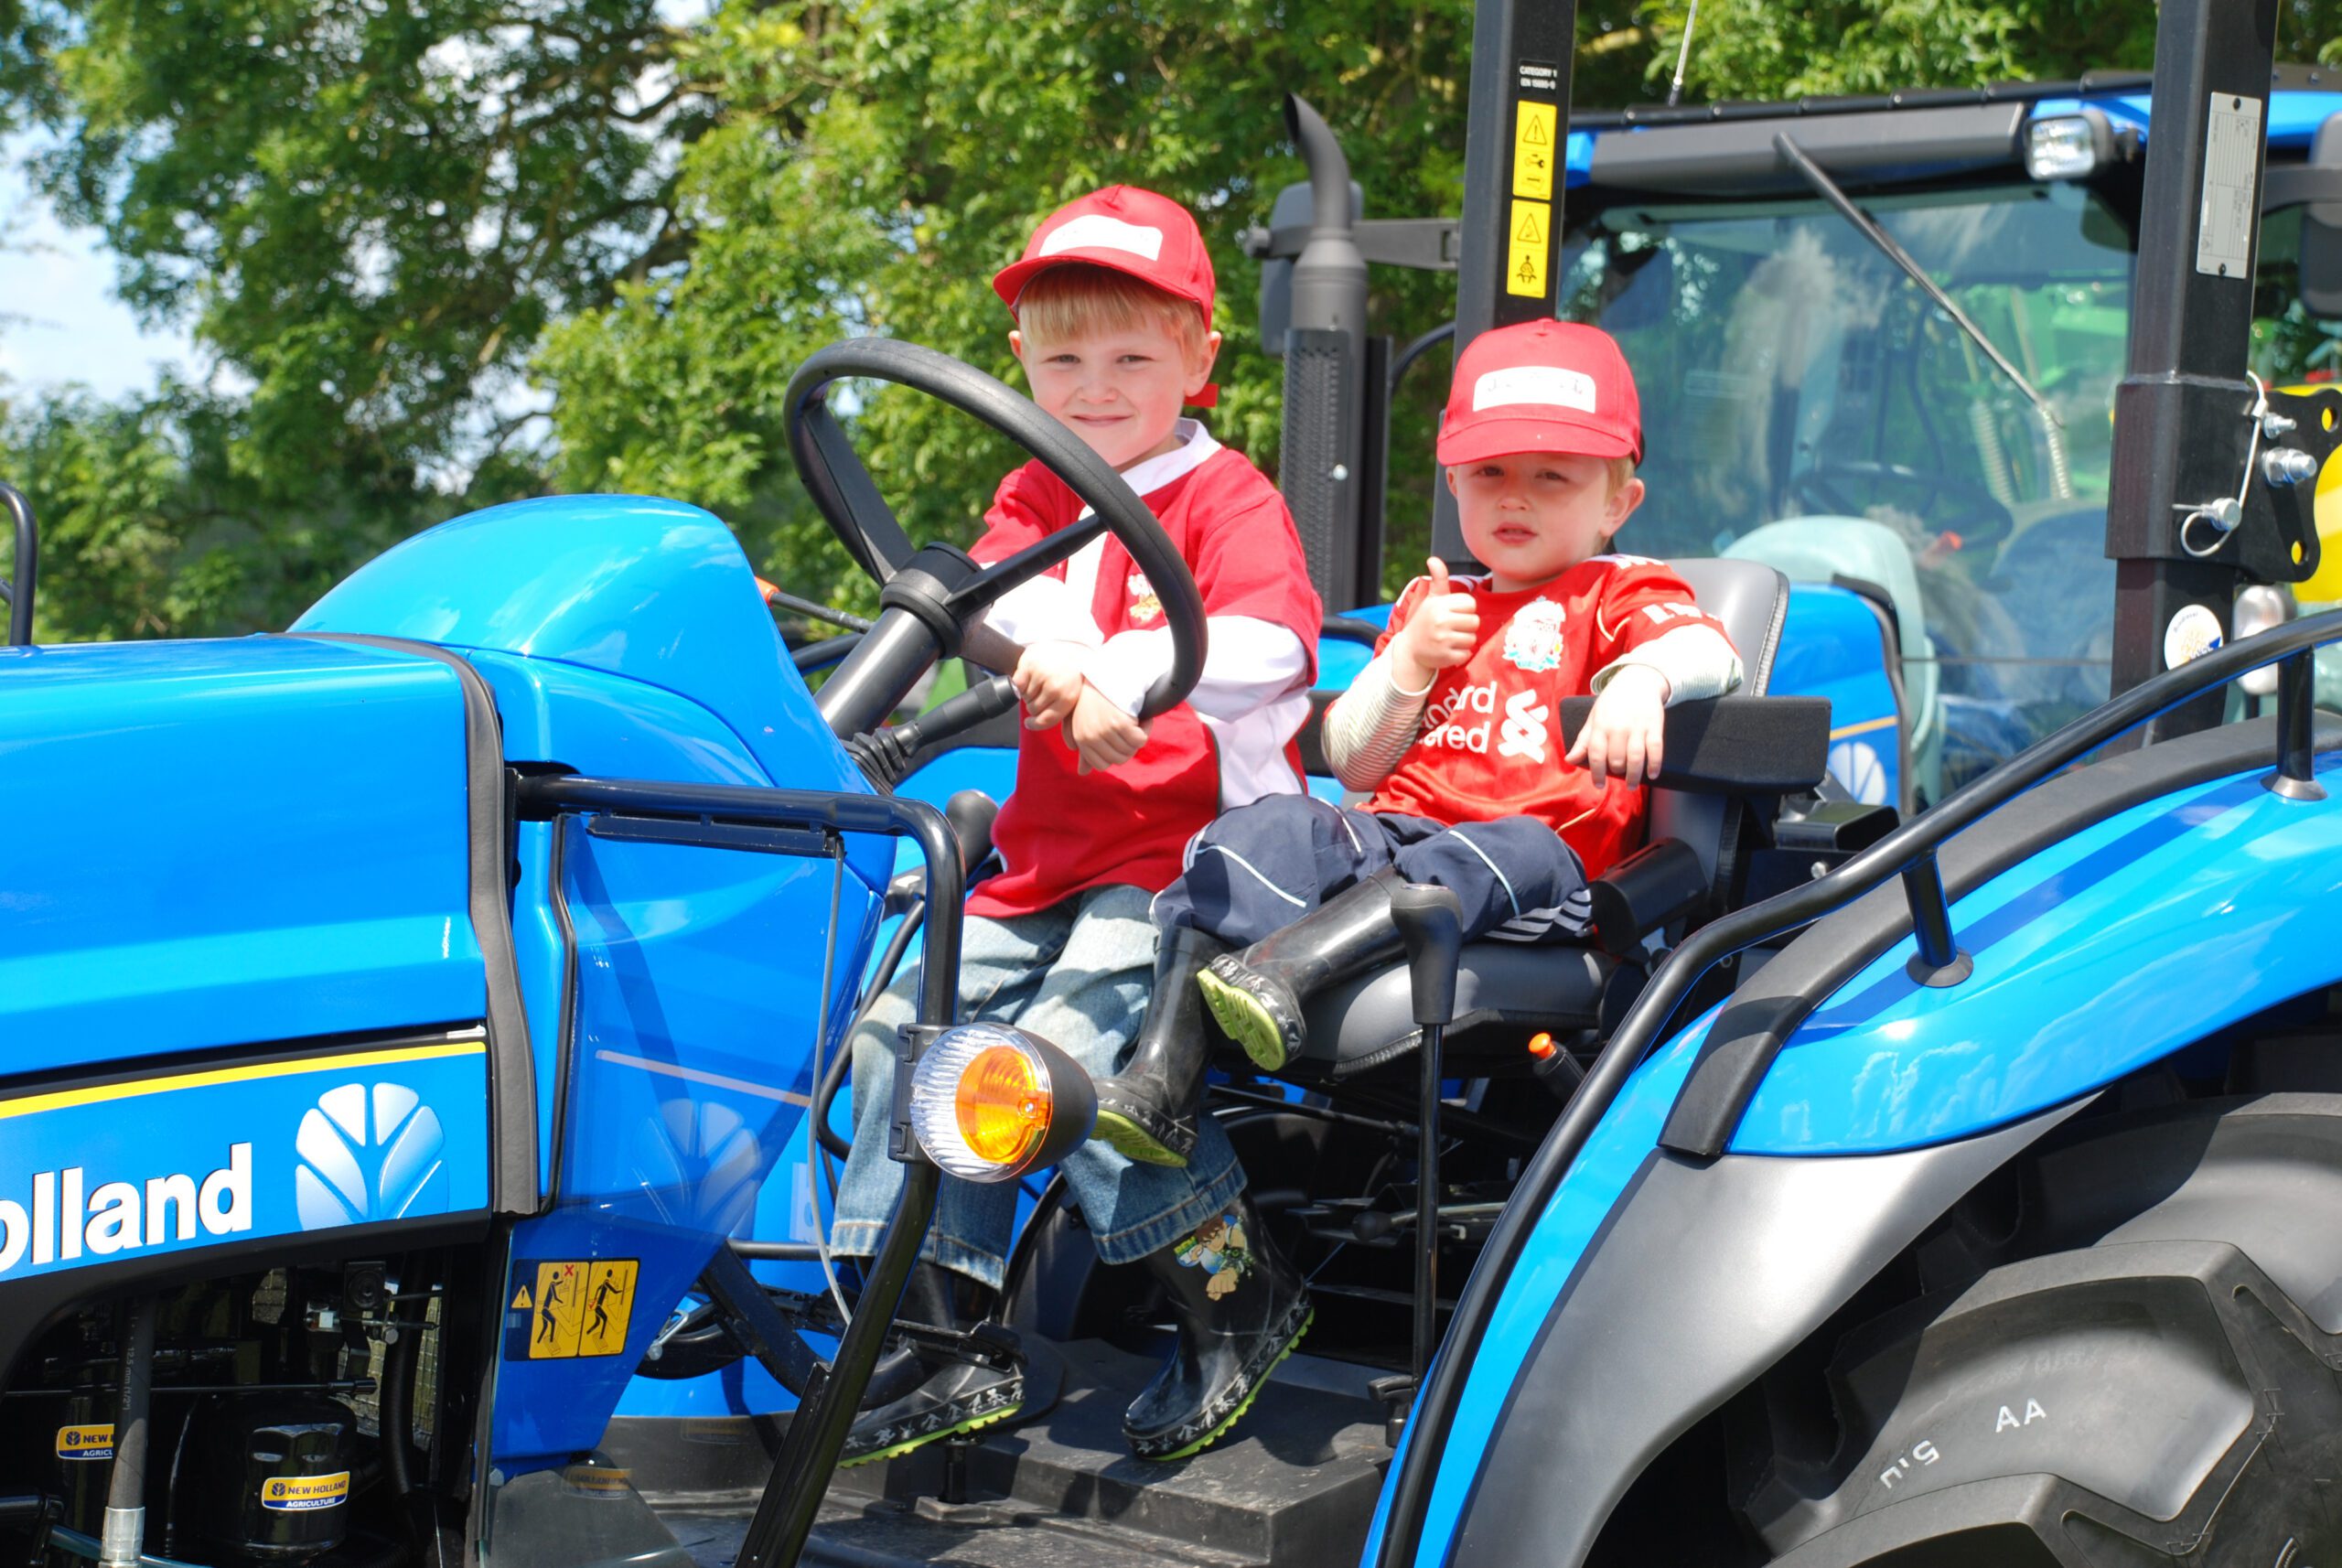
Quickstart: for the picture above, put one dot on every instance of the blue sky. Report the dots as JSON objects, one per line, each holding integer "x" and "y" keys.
{"x": 59, "y": 322}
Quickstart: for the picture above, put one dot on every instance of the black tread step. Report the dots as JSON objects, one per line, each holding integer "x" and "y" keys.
{"x": 1293, "y": 1484}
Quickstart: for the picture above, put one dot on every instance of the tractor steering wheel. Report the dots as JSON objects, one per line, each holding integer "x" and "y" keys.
{"x": 930, "y": 597}
{"x": 1976, "y": 514}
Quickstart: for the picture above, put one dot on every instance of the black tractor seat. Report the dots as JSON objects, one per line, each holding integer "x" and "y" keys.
{"x": 1718, "y": 754}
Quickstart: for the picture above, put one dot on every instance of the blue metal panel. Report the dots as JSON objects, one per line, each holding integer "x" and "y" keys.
{"x": 1563, "y": 1233}
{"x": 608, "y": 727}
{"x": 1829, "y": 647}
{"x": 699, "y": 994}
{"x": 147, "y": 784}
{"x": 2107, "y": 951}
{"x": 200, "y": 1157}
{"x": 653, "y": 590}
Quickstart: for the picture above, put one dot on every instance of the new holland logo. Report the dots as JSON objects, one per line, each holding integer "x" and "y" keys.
{"x": 354, "y": 1168}
{"x": 68, "y": 1213}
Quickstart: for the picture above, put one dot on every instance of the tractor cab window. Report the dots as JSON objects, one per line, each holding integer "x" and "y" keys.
{"x": 1805, "y": 402}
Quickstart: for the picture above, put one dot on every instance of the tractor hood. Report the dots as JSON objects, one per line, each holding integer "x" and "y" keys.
{"x": 218, "y": 843}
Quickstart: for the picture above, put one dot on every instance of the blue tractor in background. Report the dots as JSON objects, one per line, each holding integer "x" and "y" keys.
{"x": 419, "y": 1031}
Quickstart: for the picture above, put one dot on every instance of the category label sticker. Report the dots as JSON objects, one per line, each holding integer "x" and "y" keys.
{"x": 305, "y": 1494}
{"x": 85, "y": 1442}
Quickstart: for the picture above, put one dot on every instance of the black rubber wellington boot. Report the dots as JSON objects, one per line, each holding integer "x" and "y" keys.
{"x": 1148, "y": 1110}
{"x": 1239, "y": 1309}
{"x": 1257, "y": 995}
{"x": 918, "y": 1393}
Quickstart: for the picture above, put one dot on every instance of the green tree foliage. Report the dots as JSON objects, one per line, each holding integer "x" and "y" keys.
{"x": 384, "y": 221}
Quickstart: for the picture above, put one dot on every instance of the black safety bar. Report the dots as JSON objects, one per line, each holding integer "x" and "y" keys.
{"x": 728, "y": 816}
{"x": 17, "y": 592}
{"x": 1909, "y": 849}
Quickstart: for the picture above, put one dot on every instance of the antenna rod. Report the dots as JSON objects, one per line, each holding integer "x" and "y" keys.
{"x": 1675, "y": 88}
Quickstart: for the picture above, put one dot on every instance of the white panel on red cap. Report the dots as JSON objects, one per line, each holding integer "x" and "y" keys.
{"x": 1095, "y": 232}
{"x": 1548, "y": 384}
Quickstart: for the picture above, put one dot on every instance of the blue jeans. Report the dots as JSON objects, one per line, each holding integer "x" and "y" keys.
{"x": 1079, "y": 976}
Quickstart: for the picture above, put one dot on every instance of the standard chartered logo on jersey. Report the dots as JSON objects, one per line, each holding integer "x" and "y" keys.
{"x": 1451, "y": 725}
{"x": 355, "y": 1167}
{"x": 1524, "y": 727}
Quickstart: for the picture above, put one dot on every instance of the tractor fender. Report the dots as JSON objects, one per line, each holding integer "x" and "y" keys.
{"x": 1704, "y": 1275}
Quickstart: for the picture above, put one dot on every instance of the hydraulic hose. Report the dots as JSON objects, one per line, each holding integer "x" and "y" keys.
{"x": 396, "y": 1410}
{"x": 124, "y": 1531}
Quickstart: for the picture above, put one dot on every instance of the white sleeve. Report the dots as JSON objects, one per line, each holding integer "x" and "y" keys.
{"x": 1248, "y": 664}
{"x": 1698, "y": 661}
{"x": 1369, "y": 727}
{"x": 1043, "y": 609}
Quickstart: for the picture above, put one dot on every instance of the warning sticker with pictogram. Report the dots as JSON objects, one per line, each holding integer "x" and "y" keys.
{"x": 608, "y": 1305}
{"x": 570, "y": 1306}
{"x": 1535, "y": 147}
{"x": 561, "y": 1294}
{"x": 1529, "y": 254}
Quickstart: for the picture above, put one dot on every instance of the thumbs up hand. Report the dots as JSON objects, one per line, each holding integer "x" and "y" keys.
{"x": 1439, "y": 635}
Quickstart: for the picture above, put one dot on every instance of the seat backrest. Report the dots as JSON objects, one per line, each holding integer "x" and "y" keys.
{"x": 1752, "y": 599}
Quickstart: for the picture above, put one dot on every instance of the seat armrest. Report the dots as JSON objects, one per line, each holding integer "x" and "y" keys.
{"x": 1735, "y": 745}
{"x": 1641, "y": 894}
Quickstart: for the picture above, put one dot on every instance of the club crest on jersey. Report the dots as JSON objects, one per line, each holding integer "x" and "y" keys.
{"x": 1533, "y": 639}
{"x": 1145, "y": 607}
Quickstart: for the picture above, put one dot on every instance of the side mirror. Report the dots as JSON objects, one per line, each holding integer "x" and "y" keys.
{"x": 2321, "y": 259}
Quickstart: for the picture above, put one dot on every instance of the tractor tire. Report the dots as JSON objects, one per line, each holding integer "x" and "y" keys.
{"x": 2145, "y": 1373}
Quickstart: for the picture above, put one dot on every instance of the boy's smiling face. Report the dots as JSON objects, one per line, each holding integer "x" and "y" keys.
{"x": 1530, "y": 516}
{"x": 1119, "y": 388}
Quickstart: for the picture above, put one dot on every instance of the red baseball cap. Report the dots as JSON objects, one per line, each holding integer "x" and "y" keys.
{"x": 1150, "y": 237}
{"x": 1542, "y": 386}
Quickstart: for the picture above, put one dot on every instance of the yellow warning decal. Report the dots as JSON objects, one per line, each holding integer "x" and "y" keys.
{"x": 573, "y": 1306}
{"x": 1529, "y": 251}
{"x": 304, "y": 1494}
{"x": 1535, "y": 149}
{"x": 609, "y": 1306}
{"x": 560, "y": 1286}
{"x": 85, "y": 1442}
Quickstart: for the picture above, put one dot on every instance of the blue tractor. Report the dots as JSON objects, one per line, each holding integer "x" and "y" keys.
{"x": 419, "y": 1030}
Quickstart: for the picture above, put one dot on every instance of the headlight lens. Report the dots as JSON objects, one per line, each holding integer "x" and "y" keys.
{"x": 989, "y": 1103}
{"x": 2068, "y": 146}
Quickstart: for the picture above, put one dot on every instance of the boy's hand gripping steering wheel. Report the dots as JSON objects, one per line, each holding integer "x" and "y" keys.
{"x": 931, "y": 595}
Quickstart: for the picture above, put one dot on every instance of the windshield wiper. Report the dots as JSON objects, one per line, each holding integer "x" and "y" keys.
{"x": 1865, "y": 224}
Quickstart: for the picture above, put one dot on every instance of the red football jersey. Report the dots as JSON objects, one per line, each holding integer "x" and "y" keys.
{"x": 1490, "y": 745}
{"x": 1063, "y": 831}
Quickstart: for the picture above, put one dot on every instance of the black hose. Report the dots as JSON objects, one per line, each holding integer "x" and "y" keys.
{"x": 1416, "y": 350}
{"x": 396, "y": 1411}
{"x": 125, "y": 1519}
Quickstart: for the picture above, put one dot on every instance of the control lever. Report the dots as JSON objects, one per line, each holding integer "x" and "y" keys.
{"x": 970, "y": 814}
{"x": 885, "y": 755}
{"x": 1431, "y": 924}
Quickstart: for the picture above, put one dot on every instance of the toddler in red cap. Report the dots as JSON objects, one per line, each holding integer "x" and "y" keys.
{"x": 1112, "y": 305}
{"x": 1454, "y": 726}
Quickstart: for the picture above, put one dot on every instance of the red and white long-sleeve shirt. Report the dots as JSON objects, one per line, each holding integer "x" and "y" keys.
{"x": 1063, "y": 831}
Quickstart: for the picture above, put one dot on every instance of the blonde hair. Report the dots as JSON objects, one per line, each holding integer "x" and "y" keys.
{"x": 1621, "y": 470}
{"x": 1077, "y": 299}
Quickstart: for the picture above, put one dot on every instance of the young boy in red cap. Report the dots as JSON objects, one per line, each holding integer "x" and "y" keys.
{"x": 1113, "y": 303}
{"x": 1454, "y": 725}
